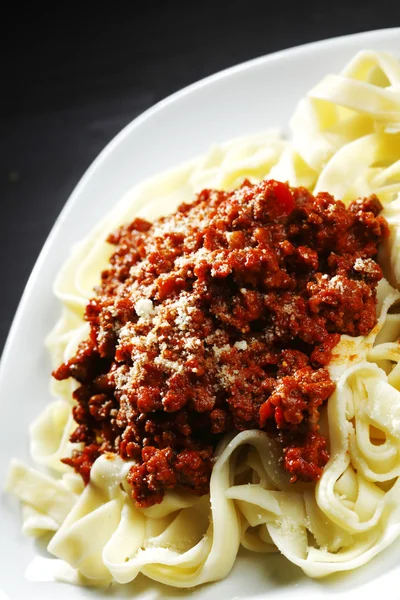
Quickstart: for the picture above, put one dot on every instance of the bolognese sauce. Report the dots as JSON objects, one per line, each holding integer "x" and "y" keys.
{"x": 218, "y": 318}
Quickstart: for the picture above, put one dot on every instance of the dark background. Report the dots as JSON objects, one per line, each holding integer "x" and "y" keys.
{"x": 73, "y": 76}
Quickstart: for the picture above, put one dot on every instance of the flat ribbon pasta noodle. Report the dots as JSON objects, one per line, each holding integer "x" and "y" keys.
{"x": 292, "y": 167}
{"x": 346, "y": 125}
{"x": 371, "y": 66}
{"x": 50, "y": 434}
{"x": 105, "y": 555}
{"x": 359, "y": 96}
{"x": 212, "y": 556}
{"x": 44, "y": 494}
{"x": 342, "y": 172}
{"x": 350, "y": 517}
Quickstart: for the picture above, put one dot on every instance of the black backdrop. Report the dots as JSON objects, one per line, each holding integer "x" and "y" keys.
{"x": 72, "y": 77}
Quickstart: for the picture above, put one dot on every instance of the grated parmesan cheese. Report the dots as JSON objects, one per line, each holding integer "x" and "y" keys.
{"x": 144, "y": 308}
{"x": 242, "y": 345}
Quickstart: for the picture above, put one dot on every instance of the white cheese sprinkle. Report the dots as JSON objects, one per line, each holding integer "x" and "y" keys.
{"x": 144, "y": 308}
{"x": 242, "y": 345}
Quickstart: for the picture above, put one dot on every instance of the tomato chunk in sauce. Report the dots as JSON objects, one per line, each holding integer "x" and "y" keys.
{"x": 222, "y": 317}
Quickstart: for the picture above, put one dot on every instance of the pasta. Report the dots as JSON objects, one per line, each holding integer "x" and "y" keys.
{"x": 345, "y": 140}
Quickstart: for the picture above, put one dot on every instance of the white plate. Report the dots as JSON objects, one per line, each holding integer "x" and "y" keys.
{"x": 254, "y": 96}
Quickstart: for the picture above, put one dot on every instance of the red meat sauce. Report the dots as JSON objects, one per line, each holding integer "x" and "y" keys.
{"x": 222, "y": 317}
